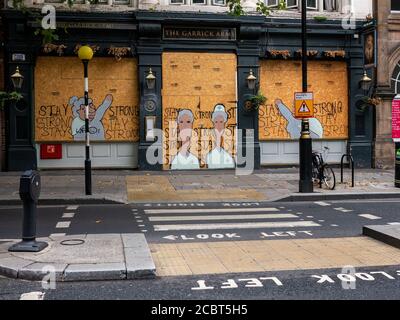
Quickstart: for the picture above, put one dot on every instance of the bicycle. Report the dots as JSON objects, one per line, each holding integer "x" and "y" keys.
{"x": 322, "y": 173}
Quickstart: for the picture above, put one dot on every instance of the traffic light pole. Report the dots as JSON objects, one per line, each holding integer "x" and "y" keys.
{"x": 305, "y": 183}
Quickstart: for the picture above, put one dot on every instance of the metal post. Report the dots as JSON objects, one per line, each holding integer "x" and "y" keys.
{"x": 88, "y": 163}
{"x": 305, "y": 184}
{"x": 29, "y": 191}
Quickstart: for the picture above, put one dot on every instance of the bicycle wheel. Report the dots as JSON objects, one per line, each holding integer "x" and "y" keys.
{"x": 329, "y": 178}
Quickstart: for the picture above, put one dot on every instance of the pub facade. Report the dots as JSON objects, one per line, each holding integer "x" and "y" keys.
{"x": 172, "y": 89}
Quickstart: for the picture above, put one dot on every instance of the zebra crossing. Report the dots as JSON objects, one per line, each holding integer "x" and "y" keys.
{"x": 195, "y": 219}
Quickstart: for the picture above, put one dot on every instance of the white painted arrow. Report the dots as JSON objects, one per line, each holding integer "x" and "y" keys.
{"x": 171, "y": 237}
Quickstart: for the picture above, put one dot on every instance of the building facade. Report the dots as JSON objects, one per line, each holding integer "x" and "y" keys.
{"x": 201, "y": 59}
{"x": 2, "y": 114}
{"x": 388, "y": 75}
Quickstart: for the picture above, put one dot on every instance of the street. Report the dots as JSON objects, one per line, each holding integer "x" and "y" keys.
{"x": 235, "y": 223}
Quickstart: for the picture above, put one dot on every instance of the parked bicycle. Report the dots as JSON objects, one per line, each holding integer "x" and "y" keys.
{"x": 322, "y": 172}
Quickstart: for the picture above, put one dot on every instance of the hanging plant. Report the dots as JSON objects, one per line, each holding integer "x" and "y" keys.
{"x": 93, "y": 47}
{"x": 373, "y": 101}
{"x": 255, "y": 101}
{"x": 335, "y": 54}
{"x": 119, "y": 52}
{"x": 310, "y": 53}
{"x": 49, "y": 47}
{"x": 9, "y": 96}
{"x": 283, "y": 54}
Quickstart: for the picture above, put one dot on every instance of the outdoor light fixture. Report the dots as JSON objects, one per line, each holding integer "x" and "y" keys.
{"x": 251, "y": 80}
{"x": 17, "y": 79}
{"x": 85, "y": 53}
{"x": 365, "y": 82}
{"x": 150, "y": 80}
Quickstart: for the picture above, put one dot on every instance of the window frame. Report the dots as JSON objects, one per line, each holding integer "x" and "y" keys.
{"x": 218, "y": 4}
{"x": 316, "y": 5}
{"x": 393, "y": 10}
{"x": 198, "y": 4}
{"x": 182, "y": 2}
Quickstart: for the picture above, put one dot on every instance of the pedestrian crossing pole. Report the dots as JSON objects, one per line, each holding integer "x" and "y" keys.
{"x": 305, "y": 184}
{"x": 85, "y": 53}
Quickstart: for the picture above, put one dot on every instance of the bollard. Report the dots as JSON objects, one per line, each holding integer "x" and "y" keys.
{"x": 29, "y": 191}
{"x": 397, "y": 166}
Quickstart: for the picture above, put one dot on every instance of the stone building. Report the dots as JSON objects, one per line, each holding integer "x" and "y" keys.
{"x": 388, "y": 75}
{"x": 2, "y": 117}
{"x": 202, "y": 59}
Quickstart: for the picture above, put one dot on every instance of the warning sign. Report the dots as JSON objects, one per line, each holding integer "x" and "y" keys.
{"x": 304, "y": 104}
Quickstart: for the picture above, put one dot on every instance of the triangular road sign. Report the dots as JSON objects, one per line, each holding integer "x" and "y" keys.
{"x": 304, "y": 108}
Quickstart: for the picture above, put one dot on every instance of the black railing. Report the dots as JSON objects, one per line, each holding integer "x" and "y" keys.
{"x": 351, "y": 163}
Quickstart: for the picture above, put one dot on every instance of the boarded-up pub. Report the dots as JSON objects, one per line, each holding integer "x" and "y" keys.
{"x": 201, "y": 63}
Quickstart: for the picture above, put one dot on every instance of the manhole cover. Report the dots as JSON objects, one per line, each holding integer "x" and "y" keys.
{"x": 72, "y": 242}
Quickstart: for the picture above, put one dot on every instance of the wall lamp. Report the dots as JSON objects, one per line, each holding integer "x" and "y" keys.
{"x": 17, "y": 79}
{"x": 150, "y": 80}
{"x": 251, "y": 80}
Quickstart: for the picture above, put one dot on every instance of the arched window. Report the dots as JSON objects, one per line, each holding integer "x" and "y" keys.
{"x": 396, "y": 79}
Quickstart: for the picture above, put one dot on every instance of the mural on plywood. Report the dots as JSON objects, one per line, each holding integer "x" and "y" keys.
{"x": 113, "y": 100}
{"x": 281, "y": 79}
{"x": 199, "y": 117}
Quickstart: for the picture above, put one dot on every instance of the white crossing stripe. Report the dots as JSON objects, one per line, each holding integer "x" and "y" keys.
{"x": 156, "y": 211}
{"x": 35, "y": 295}
{"x": 343, "y": 210}
{"x": 57, "y": 235}
{"x": 72, "y": 207}
{"x": 68, "y": 214}
{"x": 249, "y": 225}
{"x": 394, "y": 223}
{"x": 369, "y": 216}
{"x": 224, "y": 217}
{"x": 63, "y": 224}
{"x": 322, "y": 203}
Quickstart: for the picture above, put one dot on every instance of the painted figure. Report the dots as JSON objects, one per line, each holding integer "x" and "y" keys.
{"x": 96, "y": 127}
{"x": 294, "y": 125}
{"x": 218, "y": 158}
{"x": 184, "y": 159}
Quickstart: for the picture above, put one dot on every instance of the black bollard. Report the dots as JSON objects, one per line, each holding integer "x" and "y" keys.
{"x": 29, "y": 191}
{"x": 397, "y": 166}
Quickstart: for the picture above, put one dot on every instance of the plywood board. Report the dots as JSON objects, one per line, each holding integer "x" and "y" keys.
{"x": 199, "y": 84}
{"x": 327, "y": 80}
{"x": 113, "y": 91}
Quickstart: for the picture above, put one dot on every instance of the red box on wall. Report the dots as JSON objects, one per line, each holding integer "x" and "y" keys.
{"x": 51, "y": 151}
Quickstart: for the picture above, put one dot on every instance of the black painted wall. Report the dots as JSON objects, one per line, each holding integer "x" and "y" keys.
{"x": 255, "y": 35}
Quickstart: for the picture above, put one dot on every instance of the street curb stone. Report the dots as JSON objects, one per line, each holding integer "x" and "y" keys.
{"x": 35, "y": 271}
{"x": 139, "y": 262}
{"x": 101, "y": 271}
{"x": 60, "y": 201}
{"x": 385, "y": 233}
{"x": 10, "y": 267}
{"x": 338, "y": 196}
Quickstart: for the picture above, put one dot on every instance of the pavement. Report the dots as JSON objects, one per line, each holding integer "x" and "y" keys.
{"x": 82, "y": 257}
{"x": 132, "y": 186}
